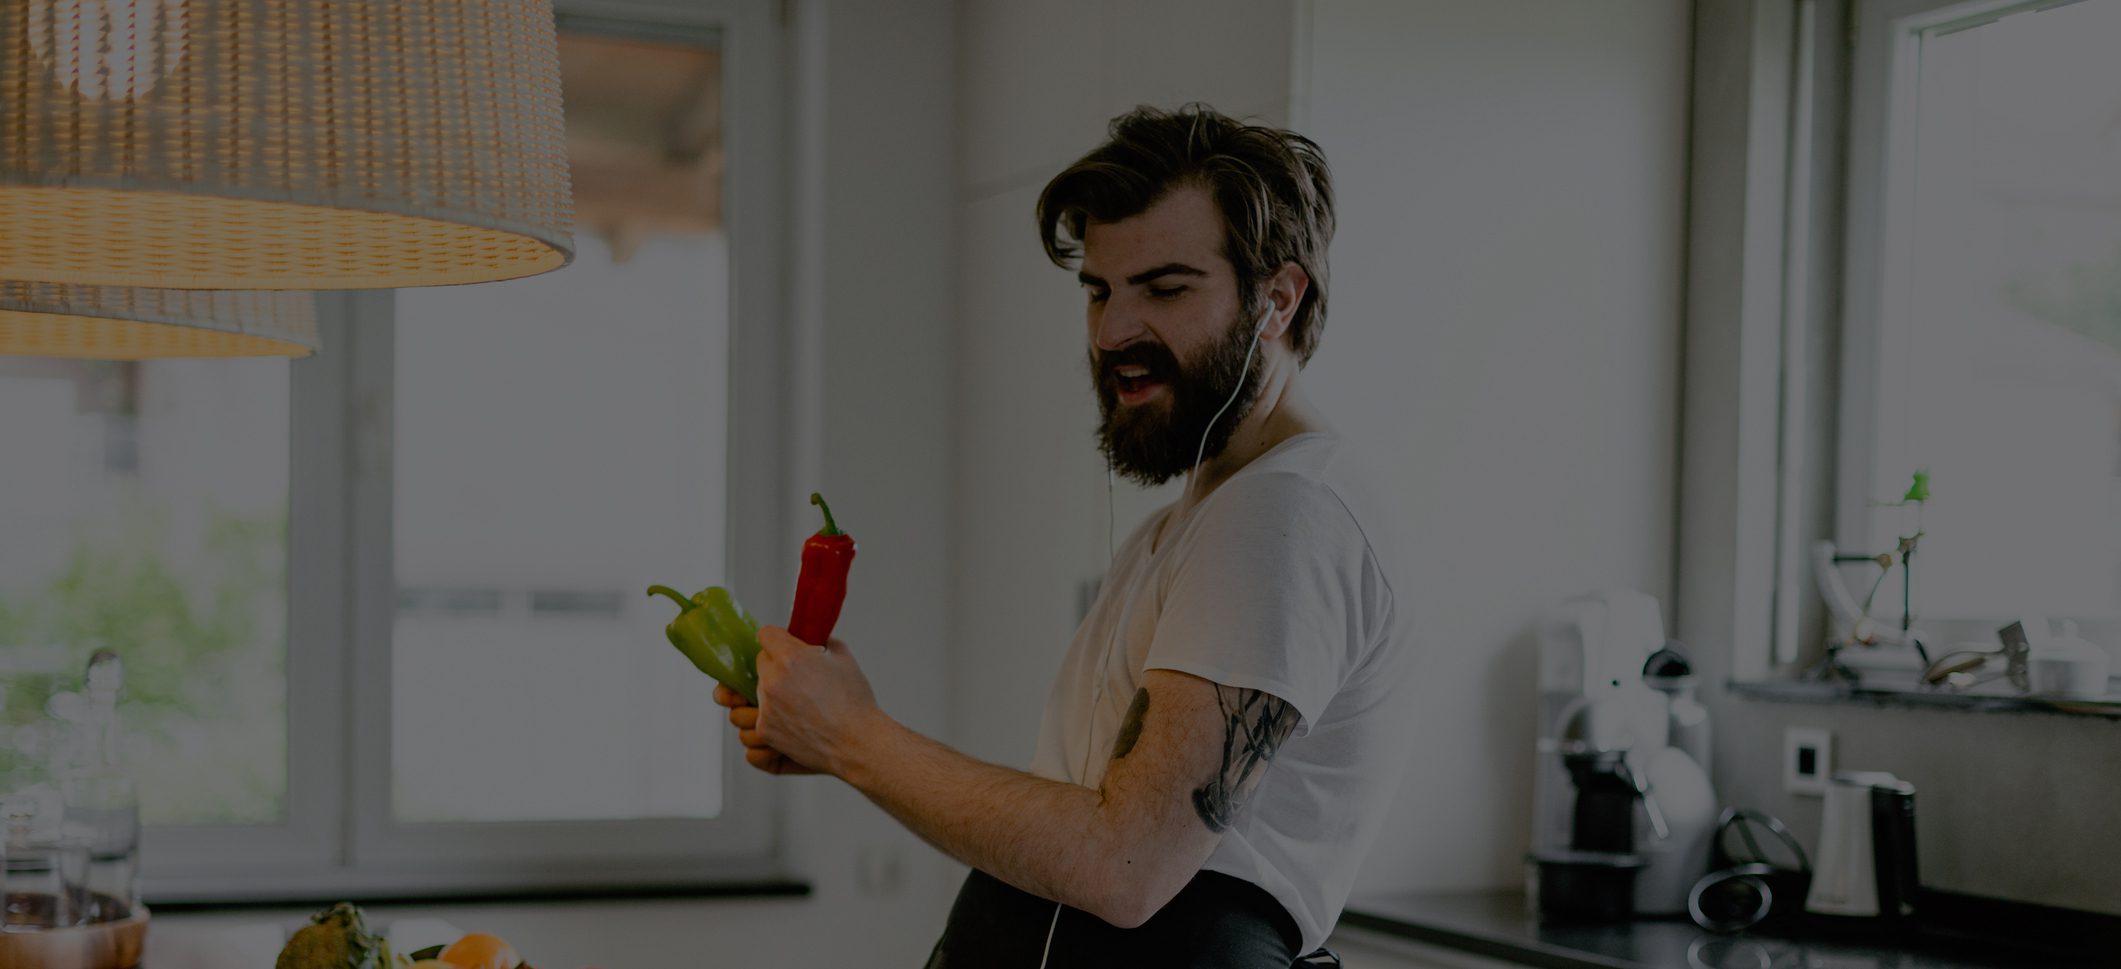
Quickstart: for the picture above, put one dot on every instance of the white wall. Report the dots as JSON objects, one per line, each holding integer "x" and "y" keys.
{"x": 1038, "y": 82}
{"x": 875, "y": 225}
{"x": 1505, "y": 332}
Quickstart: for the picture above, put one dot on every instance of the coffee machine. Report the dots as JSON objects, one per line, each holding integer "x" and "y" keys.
{"x": 1591, "y": 652}
{"x": 1622, "y": 811}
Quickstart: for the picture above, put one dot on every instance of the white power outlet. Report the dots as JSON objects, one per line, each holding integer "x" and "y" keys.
{"x": 1807, "y": 760}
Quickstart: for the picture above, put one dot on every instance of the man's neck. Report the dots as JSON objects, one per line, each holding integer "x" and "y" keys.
{"x": 1280, "y": 413}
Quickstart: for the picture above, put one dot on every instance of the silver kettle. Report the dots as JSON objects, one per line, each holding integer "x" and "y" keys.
{"x": 1866, "y": 864}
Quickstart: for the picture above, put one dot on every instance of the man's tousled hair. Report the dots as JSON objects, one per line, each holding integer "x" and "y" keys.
{"x": 1272, "y": 186}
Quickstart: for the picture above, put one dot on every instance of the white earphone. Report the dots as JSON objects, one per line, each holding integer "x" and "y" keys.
{"x": 1257, "y": 331}
{"x": 1098, "y": 692}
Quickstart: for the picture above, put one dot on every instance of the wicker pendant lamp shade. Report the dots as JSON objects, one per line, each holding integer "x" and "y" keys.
{"x": 280, "y": 144}
{"x": 125, "y": 323}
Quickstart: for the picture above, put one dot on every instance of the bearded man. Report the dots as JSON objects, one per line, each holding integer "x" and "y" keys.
{"x": 1229, "y": 725}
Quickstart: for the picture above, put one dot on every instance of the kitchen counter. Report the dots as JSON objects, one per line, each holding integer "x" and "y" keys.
{"x": 1500, "y": 926}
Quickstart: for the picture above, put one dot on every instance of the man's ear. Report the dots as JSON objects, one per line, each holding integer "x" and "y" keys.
{"x": 1286, "y": 289}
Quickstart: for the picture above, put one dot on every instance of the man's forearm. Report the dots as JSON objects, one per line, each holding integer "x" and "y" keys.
{"x": 1049, "y": 838}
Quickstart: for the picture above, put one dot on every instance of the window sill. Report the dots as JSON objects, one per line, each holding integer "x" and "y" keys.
{"x": 779, "y": 888}
{"x": 1793, "y": 691}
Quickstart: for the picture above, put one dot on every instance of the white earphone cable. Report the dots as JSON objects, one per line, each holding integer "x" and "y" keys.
{"x": 1257, "y": 330}
{"x": 1111, "y": 552}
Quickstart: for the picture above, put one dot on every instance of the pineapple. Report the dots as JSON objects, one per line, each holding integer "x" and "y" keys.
{"x": 336, "y": 938}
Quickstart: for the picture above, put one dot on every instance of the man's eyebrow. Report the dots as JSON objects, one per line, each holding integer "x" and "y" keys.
{"x": 1145, "y": 276}
{"x": 1167, "y": 269}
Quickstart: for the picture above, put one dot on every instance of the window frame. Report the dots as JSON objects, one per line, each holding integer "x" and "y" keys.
{"x": 185, "y": 856}
{"x": 1739, "y": 374}
{"x": 338, "y": 838}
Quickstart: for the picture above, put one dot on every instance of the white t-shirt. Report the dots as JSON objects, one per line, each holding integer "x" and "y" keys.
{"x": 1289, "y": 579}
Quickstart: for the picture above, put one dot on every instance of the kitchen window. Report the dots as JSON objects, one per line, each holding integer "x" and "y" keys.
{"x": 1951, "y": 303}
{"x": 1984, "y": 333}
{"x": 384, "y": 608}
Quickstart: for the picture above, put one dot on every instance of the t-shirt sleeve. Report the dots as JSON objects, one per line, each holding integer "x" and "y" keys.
{"x": 1266, "y": 592}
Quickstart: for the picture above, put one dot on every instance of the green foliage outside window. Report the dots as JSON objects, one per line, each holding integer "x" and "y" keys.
{"x": 205, "y": 651}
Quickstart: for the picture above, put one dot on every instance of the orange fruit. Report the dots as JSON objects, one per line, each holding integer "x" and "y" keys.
{"x": 481, "y": 951}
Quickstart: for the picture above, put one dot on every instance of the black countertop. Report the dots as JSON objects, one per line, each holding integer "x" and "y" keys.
{"x": 1499, "y": 926}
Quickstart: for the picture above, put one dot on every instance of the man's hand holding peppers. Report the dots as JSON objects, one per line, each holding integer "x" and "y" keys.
{"x": 813, "y": 704}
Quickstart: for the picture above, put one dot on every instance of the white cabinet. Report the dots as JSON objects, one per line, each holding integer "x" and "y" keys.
{"x": 1368, "y": 949}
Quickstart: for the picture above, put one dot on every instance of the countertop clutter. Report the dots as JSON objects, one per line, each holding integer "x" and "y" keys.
{"x": 1502, "y": 926}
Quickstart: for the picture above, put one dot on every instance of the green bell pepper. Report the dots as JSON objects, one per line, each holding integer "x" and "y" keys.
{"x": 718, "y": 636}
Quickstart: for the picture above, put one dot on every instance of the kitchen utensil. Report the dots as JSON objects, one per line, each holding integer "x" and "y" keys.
{"x": 1759, "y": 872}
{"x": 1866, "y": 848}
{"x": 1733, "y": 899}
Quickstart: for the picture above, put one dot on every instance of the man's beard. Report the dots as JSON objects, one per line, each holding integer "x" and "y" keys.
{"x": 1154, "y": 442}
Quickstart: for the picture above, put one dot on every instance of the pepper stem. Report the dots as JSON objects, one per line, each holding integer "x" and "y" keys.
{"x": 664, "y": 590}
{"x": 830, "y": 528}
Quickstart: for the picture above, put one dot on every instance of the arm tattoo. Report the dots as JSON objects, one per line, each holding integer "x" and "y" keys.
{"x": 1130, "y": 730}
{"x": 1254, "y": 726}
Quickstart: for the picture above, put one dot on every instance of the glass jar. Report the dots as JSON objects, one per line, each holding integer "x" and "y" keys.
{"x": 102, "y": 813}
{"x": 46, "y": 859}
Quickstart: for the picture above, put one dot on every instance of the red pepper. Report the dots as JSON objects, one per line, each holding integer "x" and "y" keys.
{"x": 823, "y": 585}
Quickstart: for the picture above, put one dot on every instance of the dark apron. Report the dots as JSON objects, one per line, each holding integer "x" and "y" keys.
{"x": 1215, "y": 921}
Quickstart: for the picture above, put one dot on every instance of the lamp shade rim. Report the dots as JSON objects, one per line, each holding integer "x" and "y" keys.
{"x": 143, "y": 315}
{"x": 92, "y": 336}
{"x": 133, "y": 190}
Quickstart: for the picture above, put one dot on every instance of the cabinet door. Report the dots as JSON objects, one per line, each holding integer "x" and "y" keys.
{"x": 1366, "y": 949}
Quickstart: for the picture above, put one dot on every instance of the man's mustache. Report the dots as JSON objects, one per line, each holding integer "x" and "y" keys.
{"x": 1154, "y": 357}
